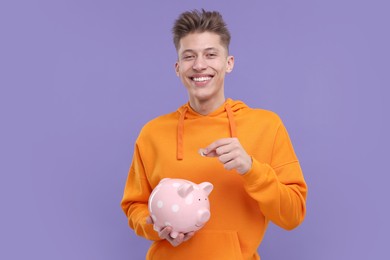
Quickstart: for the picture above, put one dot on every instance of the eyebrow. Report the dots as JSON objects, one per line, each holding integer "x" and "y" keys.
{"x": 193, "y": 51}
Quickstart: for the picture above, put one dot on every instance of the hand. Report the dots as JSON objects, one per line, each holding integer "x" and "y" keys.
{"x": 165, "y": 233}
{"x": 230, "y": 153}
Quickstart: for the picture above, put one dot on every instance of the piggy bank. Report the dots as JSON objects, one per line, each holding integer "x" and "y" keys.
{"x": 181, "y": 204}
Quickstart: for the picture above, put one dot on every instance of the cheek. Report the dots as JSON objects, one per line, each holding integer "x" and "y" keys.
{"x": 219, "y": 66}
{"x": 182, "y": 68}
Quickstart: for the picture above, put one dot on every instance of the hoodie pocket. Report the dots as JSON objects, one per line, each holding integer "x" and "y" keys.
{"x": 207, "y": 244}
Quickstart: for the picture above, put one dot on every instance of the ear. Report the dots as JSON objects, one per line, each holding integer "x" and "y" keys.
{"x": 207, "y": 187}
{"x": 230, "y": 64}
{"x": 177, "y": 68}
{"x": 184, "y": 190}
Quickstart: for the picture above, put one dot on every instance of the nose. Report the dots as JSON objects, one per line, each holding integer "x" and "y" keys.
{"x": 199, "y": 64}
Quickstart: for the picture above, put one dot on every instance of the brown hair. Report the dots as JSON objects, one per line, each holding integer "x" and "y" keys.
{"x": 200, "y": 21}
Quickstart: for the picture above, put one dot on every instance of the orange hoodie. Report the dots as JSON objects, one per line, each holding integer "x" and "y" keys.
{"x": 241, "y": 205}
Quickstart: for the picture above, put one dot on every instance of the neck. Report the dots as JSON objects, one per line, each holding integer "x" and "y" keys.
{"x": 205, "y": 107}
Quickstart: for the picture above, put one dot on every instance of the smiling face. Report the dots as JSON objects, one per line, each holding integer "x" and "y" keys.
{"x": 202, "y": 65}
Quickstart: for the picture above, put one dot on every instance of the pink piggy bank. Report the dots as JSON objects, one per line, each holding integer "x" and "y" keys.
{"x": 181, "y": 204}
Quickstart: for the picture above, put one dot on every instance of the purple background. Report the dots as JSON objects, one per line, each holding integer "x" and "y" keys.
{"x": 79, "y": 79}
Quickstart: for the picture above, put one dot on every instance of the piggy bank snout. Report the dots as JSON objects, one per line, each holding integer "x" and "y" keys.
{"x": 203, "y": 216}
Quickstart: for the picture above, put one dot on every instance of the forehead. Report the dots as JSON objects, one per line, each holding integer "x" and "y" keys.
{"x": 200, "y": 42}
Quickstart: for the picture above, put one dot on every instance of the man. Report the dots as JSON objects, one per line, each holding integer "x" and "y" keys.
{"x": 246, "y": 154}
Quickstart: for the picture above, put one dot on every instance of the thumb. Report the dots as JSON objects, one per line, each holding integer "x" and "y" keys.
{"x": 149, "y": 220}
{"x": 205, "y": 152}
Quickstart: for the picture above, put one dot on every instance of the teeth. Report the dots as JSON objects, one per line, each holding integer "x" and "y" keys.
{"x": 201, "y": 79}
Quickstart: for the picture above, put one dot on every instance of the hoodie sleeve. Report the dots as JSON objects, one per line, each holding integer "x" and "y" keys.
{"x": 135, "y": 199}
{"x": 279, "y": 186}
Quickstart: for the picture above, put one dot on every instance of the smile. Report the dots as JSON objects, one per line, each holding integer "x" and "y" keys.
{"x": 201, "y": 79}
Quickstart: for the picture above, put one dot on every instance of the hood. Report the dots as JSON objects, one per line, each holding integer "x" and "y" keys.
{"x": 228, "y": 109}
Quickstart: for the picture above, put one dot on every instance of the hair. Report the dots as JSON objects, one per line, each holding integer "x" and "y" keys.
{"x": 200, "y": 21}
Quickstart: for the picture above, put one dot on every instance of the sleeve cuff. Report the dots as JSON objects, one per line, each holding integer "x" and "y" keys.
{"x": 258, "y": 173}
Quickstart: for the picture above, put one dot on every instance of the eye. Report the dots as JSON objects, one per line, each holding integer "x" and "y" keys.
{"x": 188, "y": 57}
{"x": 211, "y": 55}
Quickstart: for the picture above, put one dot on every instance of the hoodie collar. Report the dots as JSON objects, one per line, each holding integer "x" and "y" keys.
{"x": 186, "y": 112}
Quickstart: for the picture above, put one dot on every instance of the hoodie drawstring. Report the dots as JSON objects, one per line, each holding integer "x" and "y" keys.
{"x": 180, "y": 129}
{"x": 180, "y": 133}
{"x": 232, "y": 123}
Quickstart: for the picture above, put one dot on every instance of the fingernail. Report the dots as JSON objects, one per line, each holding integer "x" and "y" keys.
{"x": 202, "y": 152}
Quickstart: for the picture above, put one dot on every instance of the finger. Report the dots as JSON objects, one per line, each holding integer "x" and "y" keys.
{"x": 211, "y": 149}
{"x": 178, "y": 240}
{"x": 188, "y": 236}
{"x": 202, "y": 152}
{"x": 224, "y": 149}
{"x": 230, "y": 165}
{"x": 220, "y": 150}
{"x": 149, "y": 220}
{"x": 241, "y": 164}
{"x": 211, "y": 154}
{"x": 224, "y": 158}
{"x": 164, "y": 233}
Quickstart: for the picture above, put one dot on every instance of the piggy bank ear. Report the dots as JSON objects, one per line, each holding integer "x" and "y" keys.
{"x": 207, "y": 187}
{"x": 184, "y": 190}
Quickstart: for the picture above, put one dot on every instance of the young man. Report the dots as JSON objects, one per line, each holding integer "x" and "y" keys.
{"x": 247, "y": 156}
